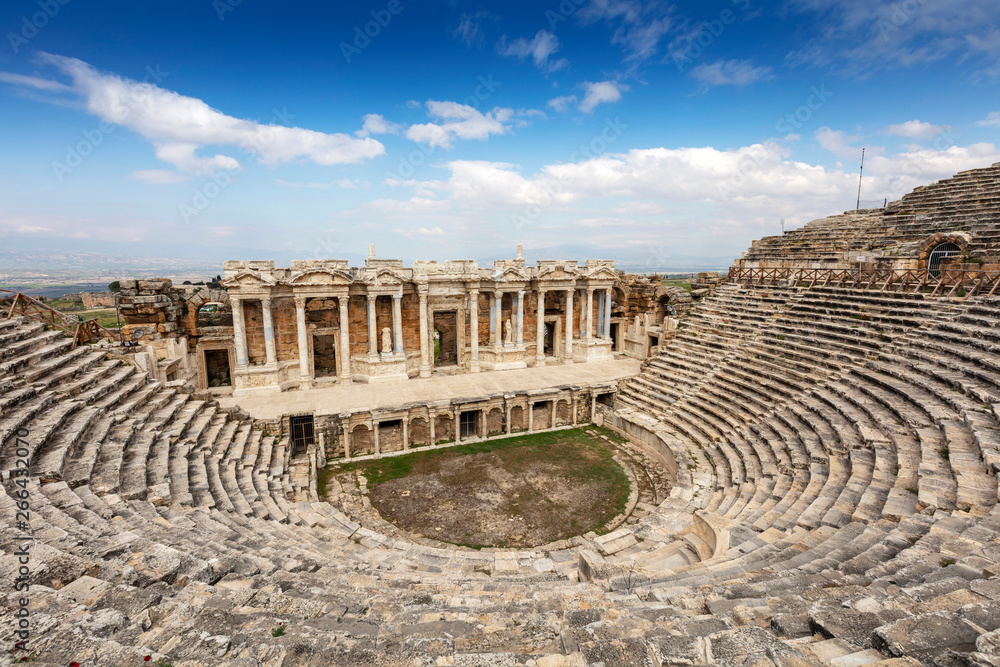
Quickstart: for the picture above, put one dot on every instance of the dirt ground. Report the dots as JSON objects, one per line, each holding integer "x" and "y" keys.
{"x": 512, "y": 496}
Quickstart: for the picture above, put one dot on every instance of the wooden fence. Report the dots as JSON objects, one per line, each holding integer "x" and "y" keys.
{"x": 935, "y": 283}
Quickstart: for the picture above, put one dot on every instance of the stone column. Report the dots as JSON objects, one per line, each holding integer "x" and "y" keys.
{"x": 482, "y": 424}
{"x": 599, "y": 333}
{"x": 305, "y": 372}
{"x": 239, "y": 332}
{"x": 372, "y": 333}
{"x": 345, "y": 339}
{"x": 569, "y": 326}
{"x": 425, "y": 359}
{"x": 346, "y": 426}
{"x": 406, "y": 432}
{"x": 507, "y": 410}
{"x": 590, "y": 314}
{"x": 397, "y": 324}
{"x": 607, "y": 313}
{"x": 540, "y": 330}
{"x": 430, "y": 425}
{"x": 378, "y": 451}
{"x": 573, "y": 408}
{"x": 494, "y": 318}
{"x": 272, "y": 358}
{"x": 520, "y": 319}
{"x": 552, "y": 417}
{"x": 531, "y": 416}
{"x": 474, "y": 329}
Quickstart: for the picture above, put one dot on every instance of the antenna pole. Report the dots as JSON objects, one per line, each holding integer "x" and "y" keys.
{"x": 860, "y": 176}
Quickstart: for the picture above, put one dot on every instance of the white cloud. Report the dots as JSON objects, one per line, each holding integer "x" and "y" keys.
{"x": 718, "y": 200}
{"x": 178, "y": 126}
{"x": 637, "y": 27}
{"x": 915, "y": 129}
{"x": 460, "y": 121}
{"x": 757, "y": 180}
{"x": 601, "y": 92}
{"x": 731, "y": 73}
{"x": 837, "y": 142}
{"x": 158, "y": 176}
{"x": 470, "y": 28}
{"x": 34, "y": 82}
{"x": 992, "y": 120}
{"x": 421, "y": 231}
{"x": 312, "y": 186}
{"x": 856, "y": 38}
{"x": 540, "y": 48}
{"x": 376, "y": 124}
{"x": 32, "y": 229}
{"x": 561, "y": 104}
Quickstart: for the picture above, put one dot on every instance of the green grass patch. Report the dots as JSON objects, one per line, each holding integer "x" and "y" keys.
{"x": 572, "y": 458}
{"x": 397, "y": 467}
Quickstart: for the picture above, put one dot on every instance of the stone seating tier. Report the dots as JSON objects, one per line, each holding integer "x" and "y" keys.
{"x": 842, "y": 443}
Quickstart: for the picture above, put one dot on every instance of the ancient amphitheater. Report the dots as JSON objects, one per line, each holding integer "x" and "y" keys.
{"x": 815, "y": 446}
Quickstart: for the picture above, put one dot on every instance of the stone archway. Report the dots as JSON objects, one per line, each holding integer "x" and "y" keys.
{"x": 420, "y": 432}
{"x": 494, "y": 422}
{"x": 937, "y": 247}
{"x": 362, "y": 440}
{"x": 517, "y": 419}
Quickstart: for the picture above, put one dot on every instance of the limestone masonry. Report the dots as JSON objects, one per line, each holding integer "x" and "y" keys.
{"x": 812, "y": 442}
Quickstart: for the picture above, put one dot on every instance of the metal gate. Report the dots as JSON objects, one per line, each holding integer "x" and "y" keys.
{"x": 468, "y": 425}
{"x": 302, "y": 433}
{"x": 940, "y": 252}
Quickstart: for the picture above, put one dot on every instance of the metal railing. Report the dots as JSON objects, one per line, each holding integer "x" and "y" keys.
{"x": 82, "y": 331}
{"x": 935, "y": 283}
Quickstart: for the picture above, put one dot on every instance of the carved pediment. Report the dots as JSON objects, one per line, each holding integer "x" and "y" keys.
{"x": 247, "y": 279}
{"x": 386, "y": 277}
{"x": 557, "y": 272}
{"x": 512, "y": 274}
{"x": 602, "y": 273}
{"x": 320, "y": 276}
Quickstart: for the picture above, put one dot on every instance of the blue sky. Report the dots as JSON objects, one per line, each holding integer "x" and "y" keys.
{"x": 645, "y": 132}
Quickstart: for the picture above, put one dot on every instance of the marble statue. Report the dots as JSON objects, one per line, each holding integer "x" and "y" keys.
{"x": 508, "y": 333}
{"x": 386, "y": 340}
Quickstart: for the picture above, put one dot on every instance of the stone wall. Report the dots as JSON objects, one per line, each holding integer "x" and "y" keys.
{"x": 152, "y": 305}
{"x": 97, "y": 299}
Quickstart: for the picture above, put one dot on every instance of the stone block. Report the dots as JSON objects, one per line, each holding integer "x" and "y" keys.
{"x": 925, "y": 636}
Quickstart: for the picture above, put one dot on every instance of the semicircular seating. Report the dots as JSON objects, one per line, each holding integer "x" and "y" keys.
{"x": 833, "y": 454}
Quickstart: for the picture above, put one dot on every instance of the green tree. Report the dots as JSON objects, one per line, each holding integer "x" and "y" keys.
{"x": 116, "y": 286}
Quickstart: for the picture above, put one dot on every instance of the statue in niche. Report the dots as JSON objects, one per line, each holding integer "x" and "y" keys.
{"x": 386, "y": 340}
{"x": 508, "y": 333}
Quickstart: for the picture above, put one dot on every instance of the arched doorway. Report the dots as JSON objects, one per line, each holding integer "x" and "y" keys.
{"x": 939, "y": 252}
